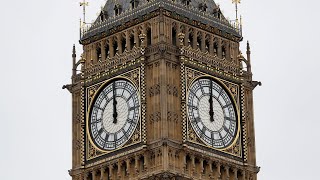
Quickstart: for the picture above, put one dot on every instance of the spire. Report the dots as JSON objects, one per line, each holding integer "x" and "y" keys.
{"x": 248, "y": 57}
{"x": 74, "y": 56}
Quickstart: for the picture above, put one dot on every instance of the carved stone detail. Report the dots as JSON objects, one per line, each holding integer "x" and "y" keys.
{"x": 154, "y": 90}
{"x": 172, "y": 90}
{"x": 155, "y": 117}
{"x": 173, "y": 116}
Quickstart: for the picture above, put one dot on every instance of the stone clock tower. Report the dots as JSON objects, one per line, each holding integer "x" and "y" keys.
{"x": 162, "y": 91}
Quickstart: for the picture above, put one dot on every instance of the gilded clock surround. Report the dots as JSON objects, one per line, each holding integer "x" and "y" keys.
{"x": 232, "y": 89}
{"x": 161, "y": 47}
{"x": 92, "y": 91}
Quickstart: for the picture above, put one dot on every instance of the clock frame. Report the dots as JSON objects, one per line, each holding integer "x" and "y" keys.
{"x": 212, "y": 112}
{"x": 113, "y": 114}
{"x": 235, "y": 149}
{"x": 91, "y": 91}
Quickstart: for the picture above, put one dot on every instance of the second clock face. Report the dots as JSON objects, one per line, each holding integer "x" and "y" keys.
{"x": 114, "y": 115}
{"x": 212, "y": 113}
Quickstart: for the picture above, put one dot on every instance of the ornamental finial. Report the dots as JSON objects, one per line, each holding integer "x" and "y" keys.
{"x": 236, "y": 2}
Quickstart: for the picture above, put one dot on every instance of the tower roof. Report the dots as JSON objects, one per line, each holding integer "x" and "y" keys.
{"x": 117, "y": 12}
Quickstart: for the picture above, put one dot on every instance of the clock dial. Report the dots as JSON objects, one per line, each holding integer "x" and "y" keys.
{"x": 212, "y": 113}
{"x": 114, "y": 115}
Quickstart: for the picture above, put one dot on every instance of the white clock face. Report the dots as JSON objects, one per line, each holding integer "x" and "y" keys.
{"x": 114, "y": 115}
{"x": 212, "y": 113}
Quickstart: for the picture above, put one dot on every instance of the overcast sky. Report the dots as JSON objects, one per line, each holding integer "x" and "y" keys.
{"x": 36, "y": 44}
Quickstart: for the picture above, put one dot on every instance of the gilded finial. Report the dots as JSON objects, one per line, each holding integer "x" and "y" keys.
{"x": 84, "y": 3}
{"x": 236, "y": 2}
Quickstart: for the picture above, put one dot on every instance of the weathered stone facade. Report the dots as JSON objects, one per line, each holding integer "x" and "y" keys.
{"x": 161, "y": 49}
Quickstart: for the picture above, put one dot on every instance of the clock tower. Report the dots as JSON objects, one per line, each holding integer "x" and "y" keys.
{"x": 162, "y": 91}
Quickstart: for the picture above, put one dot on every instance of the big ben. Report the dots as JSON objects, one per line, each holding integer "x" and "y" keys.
{"x": 162, "y": 91}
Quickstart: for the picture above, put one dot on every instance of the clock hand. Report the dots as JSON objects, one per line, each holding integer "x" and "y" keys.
{"x": 211, "y": 113}
{"x": 115, "y": 114}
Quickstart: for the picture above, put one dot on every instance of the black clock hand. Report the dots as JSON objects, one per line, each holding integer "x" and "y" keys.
{"x": 211, "y": 113}
{"x": 115, "y": 114}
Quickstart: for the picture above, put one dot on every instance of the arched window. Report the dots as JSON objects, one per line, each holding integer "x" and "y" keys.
{"x": 215, "y": 48}
{"x": 115, "y": 47}
{"x": 223, "y": 52}
{"x": 149, "y": 37}
{"x": 117, "y": 9}
{"x": 132, "y": 43}
{"x": 134, "y": 3}
{"x": 123, "y": 44}
{"x": 174, "y": 36}
{"x": 186, "y": 2}
{"x": 207, "y": 45}
{"x": 199, "y": 42}
{"x": 98, "y": 51}
{"x": 203, "y": 7}
{"x": 190, "y": 40}
{"x": 107, "y": 50}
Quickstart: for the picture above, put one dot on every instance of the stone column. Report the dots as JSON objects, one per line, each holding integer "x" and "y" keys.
{"x": 201, "y": 173}
{"x": 244, "y": 174}
{"x": 94, "y": 175}
{"x": 195, "y": 39}
{"x": 136, "y": 37}
{"x": 119, "y": 41}
{"x": 119, "y": 170}
{"x": 218, "y": 174}
{"x": 111, "y": 171}
{"x": 203, "y": 42}
{"x": 210, "y": 168}
{"x": 103, "y": 173}
{"x": 211, "y": 44}
{"x": 219, "y": 48}
{"x": 193, "y": 164}
{"x": 103, "y": 51}
{"x": 235, "y": 174}
{"x": 111, "y": 49}
{"x": 85, "y": 176}
{"x": 128, "y": 47}
{"x": 227, "y": 172}
{"x": 136, "y": 165}
{"x": 186, "y": 39}
{"x": 128, "y": 167}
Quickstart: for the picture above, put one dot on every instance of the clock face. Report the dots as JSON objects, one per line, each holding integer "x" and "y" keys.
{"x": 114, "y": 115}
{"x": 212, "y": 113}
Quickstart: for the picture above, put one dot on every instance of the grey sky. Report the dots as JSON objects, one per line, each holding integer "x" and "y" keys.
{"x": 36, "y": 44}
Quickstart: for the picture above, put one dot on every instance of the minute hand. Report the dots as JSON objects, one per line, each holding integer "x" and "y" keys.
{"x": 211, "y": 113}
{"x": 115, "y": 114}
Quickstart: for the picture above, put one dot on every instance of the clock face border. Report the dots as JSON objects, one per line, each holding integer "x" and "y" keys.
{"x": 234, "y": 102}
{"x": 90, "y": 141}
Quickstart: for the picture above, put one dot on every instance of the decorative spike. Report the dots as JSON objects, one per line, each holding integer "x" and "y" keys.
{"x": 74, "y": 55}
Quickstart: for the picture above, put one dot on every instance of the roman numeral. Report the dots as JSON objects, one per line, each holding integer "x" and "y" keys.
{"x": 133, "y": 108}
{"x": 221, "y": 90}
{"x": 97, "y": 121}
{"x": 196, "y": 120}
{"x": 125, "y": 87}
{"x": 133, "y": 93}
{"x": 193, "y": 107}
{"x": 194, "y": 94}
{"x": 125, "y": 133}
{"x": 226, "y": 105}
{"x": 99, "y": 133}
{"x": 131, "y": 121}
{"x": 230, "y": 119}
{"x": 106, "y": 140}
{"x": 226, "y": 129}
{"x": 97, "y": 107}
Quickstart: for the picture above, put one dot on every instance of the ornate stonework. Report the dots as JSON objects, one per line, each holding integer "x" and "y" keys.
{"x": 162, "y": 47}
